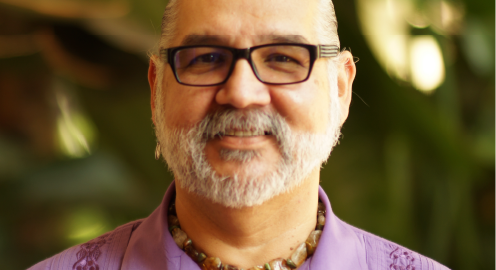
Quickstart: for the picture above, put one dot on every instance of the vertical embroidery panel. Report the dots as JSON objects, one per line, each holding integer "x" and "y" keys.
{"x": 402, "y": 260}
{"x": 87, "y": 256}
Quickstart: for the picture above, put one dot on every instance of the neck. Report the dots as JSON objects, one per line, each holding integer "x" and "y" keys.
{"x": 251, "y": 235}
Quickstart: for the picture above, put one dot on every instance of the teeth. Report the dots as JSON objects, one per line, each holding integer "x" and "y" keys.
{"x": 245, "y": 133}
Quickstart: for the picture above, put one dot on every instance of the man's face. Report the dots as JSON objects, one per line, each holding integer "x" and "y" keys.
{"x": 303, "y": 107}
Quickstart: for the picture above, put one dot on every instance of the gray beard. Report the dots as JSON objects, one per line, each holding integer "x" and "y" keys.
{"x": 301, "y": 153}
{"x": 242, "y": 156}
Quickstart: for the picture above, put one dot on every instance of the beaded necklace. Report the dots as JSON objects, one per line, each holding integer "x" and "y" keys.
{"x": 301, "y": 253}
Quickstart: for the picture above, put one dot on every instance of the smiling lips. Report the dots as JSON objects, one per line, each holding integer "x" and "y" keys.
{"x": 244, "y": 133}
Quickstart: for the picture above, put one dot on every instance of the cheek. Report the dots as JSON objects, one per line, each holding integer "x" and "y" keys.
{"x": 185, "y": 106}
{"x": 304, "y": 106}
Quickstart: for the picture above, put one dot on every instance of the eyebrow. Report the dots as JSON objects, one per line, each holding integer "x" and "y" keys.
{"x": 203, "y": 40}
{"x": 190, "y": 40}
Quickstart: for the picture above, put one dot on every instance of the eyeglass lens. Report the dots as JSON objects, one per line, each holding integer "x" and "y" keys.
{"x": 272, "y": 64}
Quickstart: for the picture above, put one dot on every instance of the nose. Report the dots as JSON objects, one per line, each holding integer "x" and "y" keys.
{"x": 242, "y": 89}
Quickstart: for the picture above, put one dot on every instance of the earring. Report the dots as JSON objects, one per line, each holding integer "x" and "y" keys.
{"x": 157, "y": 151}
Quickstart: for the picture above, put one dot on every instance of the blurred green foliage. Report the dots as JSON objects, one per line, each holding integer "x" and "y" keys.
{"x": 413, "y": 168}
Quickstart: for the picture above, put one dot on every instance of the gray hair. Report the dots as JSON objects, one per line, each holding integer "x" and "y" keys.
{"x": 169, "y": 22}
{"x": 326, "y": 24}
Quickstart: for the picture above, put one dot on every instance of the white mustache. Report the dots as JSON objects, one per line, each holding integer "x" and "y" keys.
{"x": 242, "y": 123}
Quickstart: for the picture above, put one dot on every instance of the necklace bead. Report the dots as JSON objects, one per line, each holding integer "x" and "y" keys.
{"x": 312, "y": 241}
{"x": 299, "y": 255}
{"x": 211, "y": 263}
{"x": 201, "y": 257}
{"x": 179, "y": 237}
{"x": 230, "y": 267}
{"x": 279, "y": 264}
{"x": 291, "y": 264}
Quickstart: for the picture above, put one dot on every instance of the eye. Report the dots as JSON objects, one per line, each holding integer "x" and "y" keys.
{"x": 281, "y": 59}
{"x": 208, "y": 58}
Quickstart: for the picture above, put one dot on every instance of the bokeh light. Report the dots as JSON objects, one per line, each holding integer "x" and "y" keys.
{"x": 75, "y": 131}
{"x": 85, "y": 223}
{"x": 389, "y": 27}
{"x": 427, "y": 65}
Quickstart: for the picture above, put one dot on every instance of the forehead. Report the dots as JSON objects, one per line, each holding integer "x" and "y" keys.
{"x": 248, "y": 23}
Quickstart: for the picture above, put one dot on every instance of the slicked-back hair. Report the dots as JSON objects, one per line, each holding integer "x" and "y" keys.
{"x": 326, "y": 24}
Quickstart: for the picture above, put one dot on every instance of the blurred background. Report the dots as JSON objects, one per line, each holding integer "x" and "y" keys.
{"x": 415, "y": 165}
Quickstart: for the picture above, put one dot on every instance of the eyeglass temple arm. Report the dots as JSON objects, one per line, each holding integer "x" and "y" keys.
{"x": 327, "y": 51}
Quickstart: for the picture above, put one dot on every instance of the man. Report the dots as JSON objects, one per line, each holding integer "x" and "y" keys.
{"x": 247, "y": 99}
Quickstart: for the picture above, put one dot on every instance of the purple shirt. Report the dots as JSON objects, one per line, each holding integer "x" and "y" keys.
{"x": 147, "y": 244}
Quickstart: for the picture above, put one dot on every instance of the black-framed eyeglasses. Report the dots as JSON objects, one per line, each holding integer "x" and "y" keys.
{"x": 209, "y": 65}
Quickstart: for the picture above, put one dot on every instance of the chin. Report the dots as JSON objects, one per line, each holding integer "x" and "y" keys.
{"x": 243, "y": 164}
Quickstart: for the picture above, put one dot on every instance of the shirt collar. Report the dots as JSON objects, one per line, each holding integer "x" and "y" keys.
{"x": 151, "y": 246}
{"x": 339, "y": 247}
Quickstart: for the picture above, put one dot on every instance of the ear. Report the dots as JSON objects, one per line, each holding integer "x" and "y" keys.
{"x": 152, "y": 80}
{"x": 346, "y": 76}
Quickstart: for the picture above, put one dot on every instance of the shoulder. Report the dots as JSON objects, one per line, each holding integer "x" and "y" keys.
{"x": 384, "y": 254}
{"x": 103, "y": 252}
